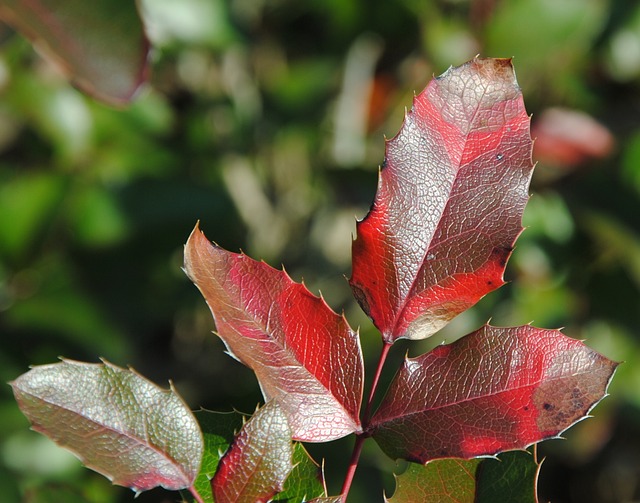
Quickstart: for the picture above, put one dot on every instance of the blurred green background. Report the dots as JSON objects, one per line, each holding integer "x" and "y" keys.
{"x": 265, "y": 121}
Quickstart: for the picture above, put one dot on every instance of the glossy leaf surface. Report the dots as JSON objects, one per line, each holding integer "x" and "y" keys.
{"x": 121, "y": 425}
{"x": 304, "y": 355}
{"x": 259, "y": 460}
{"x": 100, "y": 45}
{"x": 449, "y": 202}
{"x": 511, "y": 477}
{"x": 494, "y": 390}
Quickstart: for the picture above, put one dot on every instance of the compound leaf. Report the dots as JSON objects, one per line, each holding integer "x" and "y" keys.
{"x": 449, "y": 203}
{"x": 494, "y": 390}
{"x": 118, "y": 423}
{"x": 304, "y": 355}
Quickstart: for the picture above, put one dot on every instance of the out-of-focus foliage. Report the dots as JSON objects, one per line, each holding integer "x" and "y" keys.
{"x": 265, "y": 121}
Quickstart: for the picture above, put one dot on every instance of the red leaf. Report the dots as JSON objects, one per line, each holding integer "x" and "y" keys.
{"x": 496, "y": 389}
{"x": 449, "y": 203}
{"x": 258, "y": 462}
{"x": 304, "y": 354}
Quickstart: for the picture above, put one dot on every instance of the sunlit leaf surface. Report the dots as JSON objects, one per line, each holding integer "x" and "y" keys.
{"x": 494, "y": 390}
{"x": 118, "y": 423}
{"x": 259, "y": 460}
{"x": 449, "y": 204}
{"x": 304, "y": 354}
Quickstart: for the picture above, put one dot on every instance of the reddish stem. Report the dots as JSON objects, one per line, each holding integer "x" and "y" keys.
{"x": 374, "y": 386}
{"x": 353, "y": 464}
{"x": 196, "y": 495}
{"x": 360, "y": 438}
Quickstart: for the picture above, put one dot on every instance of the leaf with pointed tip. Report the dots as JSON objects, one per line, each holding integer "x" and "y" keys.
{"x": 449, "y": 203}
{"x": 494, "y": 390}
{"x": 259, "y": 460}
{"x": 100, "y": 45}
{"x": 218, "y": 429}
{"x": 304, "y": 355}
{"x": 511, "y": 477}
{"x": 118, "y": 423}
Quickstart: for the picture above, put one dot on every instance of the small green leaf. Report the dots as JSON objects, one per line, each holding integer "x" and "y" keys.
{"x": 118, "y": 423}
{"x": 512, "y": 477}
{"x": 443, "y": 481}
{"x": 305, "y": 480}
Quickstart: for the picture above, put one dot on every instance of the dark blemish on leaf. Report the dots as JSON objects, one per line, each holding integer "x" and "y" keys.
{"x": 501, "y": 255}
{"x": 526, "y": 407}
{"x": 547, "y": 406}
{"x": 489, "y": 282}
{"x": 361, "y": 298}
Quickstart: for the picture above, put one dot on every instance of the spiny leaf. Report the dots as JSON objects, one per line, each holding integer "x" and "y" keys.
{"x": 118, "y": 423}
{"x": 494, "y": 390}
{"x": 219, "y": 430}
{"x": 259, "y": 460}
{"x": 306, "y": 480}
{"x": 441, "y": 481}
{"x": 511, "y": 478}
{"x": 100, "y": 45}
{"x": 449, "y": 203}
{"x": 304, "y": 355}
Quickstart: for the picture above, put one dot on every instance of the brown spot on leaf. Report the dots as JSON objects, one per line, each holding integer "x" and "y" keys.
{"x": 560, "y": 403}
{"x": 361, "y": 298}
{"x": 501, "y": 255}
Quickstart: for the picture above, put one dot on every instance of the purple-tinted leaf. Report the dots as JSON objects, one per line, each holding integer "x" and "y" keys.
{"x": 259, "y": 460}
{"x": 100, "y": 45}
{"x": 494, "y": 390}
{"x": 118, "y": 423}
{"x": 449, "y": 203}
{"x": 304, "y": 355}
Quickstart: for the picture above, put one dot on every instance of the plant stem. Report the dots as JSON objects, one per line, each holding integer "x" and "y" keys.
{"x": 353, "y": 464}
{"x": 196, "y": 495}
{"x": 360, "y": 438}
{"x": 374, "y": 385}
